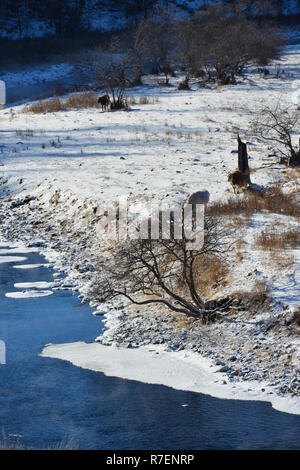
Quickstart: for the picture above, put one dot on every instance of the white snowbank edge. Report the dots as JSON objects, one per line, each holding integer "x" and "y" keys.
{"x": 180, "y": 370}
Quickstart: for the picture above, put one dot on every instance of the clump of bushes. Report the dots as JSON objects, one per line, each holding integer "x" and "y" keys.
{"x": 184, "y": 84}
{"x": 295, "y": 318}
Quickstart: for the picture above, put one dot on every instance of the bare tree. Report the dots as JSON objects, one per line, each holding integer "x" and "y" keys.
{"x": 134, "y": 54}
{"x": 278, "y": 125}
{"x": 189, "y": 49}
{"x": 256, "y": 7}
{"x": 111, "y": 70}
{"x": 223, "y": 40}
{"x": 156, "y": 41}
{"x": 164, "y": 271}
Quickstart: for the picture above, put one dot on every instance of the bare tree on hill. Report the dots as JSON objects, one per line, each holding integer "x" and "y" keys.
{"x": 224, "y": 41}
{"x": 278, "y": 125}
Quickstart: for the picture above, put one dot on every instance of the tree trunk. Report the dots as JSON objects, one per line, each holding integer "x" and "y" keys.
{"x": 243, "y": 164}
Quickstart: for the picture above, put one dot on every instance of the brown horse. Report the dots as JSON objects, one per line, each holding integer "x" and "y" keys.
{"x": 104, "y": 100}
{"x": 236, "y": 179}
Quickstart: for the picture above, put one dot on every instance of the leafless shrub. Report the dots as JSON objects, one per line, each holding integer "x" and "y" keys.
{"x": 184, "y": 84}
{"x": 132, "y": 101}
{"x": 278, "y": 125}
{"x": 25, "y": 133}
{"x": 146, "y": 100}
{"x": 164, "y": 271}
{"x": 221, "y": 40}
{"x": 156, "y": 43}
{"x": 8, "y": 444}
{"x": 112, "y": 70}
{"x": 295, "y": 318}
{"x": 256, "y": 300}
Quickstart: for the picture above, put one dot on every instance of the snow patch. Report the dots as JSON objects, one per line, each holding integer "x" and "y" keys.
{"x": 35, "y": 285}
{"x": 28, "y": 294}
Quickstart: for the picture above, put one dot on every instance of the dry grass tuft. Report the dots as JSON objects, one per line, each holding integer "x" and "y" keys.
{"x": 210, "y": 274}
{"x": 275, "y": 242}
{"x": 82, "y": 100}
{"x": 185, "y": 323}
{"x": 280, "y": 260}
{"x": 8, "y": 444}
{"x": 274, "y": 200}
{"x": 261, "y": 288}
{"x": 132, "y": 100}
{"x": 48, "y": 106}
{"x": 271, "y": 239}
{"x": 144, "y": 100}
{"x": 256, "y": 300}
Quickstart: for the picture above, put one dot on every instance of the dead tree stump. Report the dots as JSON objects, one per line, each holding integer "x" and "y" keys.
{"x": 243, "y": 163}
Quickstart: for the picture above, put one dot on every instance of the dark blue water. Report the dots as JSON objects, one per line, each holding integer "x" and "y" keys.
{"x": 47, "y": 401}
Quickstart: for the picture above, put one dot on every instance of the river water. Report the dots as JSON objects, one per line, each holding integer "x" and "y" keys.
{"x": 35, "y": 91}
{"x": 45, "y": 401}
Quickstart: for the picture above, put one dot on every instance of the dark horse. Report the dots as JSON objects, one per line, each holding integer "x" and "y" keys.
{"x": 104, "y": 100}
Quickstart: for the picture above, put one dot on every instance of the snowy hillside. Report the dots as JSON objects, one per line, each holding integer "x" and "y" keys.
{"x": 34, "y": 19}
{"x": 60, "y": 169}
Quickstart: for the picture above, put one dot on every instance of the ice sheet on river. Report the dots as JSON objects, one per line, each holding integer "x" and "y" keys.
{"x": 180, "y": 370}
{"x": 12, "y": 259}
{"x": 28, "y": 294}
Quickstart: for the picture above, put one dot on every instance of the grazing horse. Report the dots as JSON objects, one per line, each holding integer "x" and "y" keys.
{"x": 197, "y": 198}
{"x": 104, "y": 100}
{"x": 236, "y": 179}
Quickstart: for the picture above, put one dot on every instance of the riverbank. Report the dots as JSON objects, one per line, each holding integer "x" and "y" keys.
{"x": 240, "y": 359}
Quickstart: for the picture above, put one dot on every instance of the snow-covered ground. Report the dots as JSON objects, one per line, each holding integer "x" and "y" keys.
{"x": 72, "y": 162}
{"x": 173, "y": 146}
